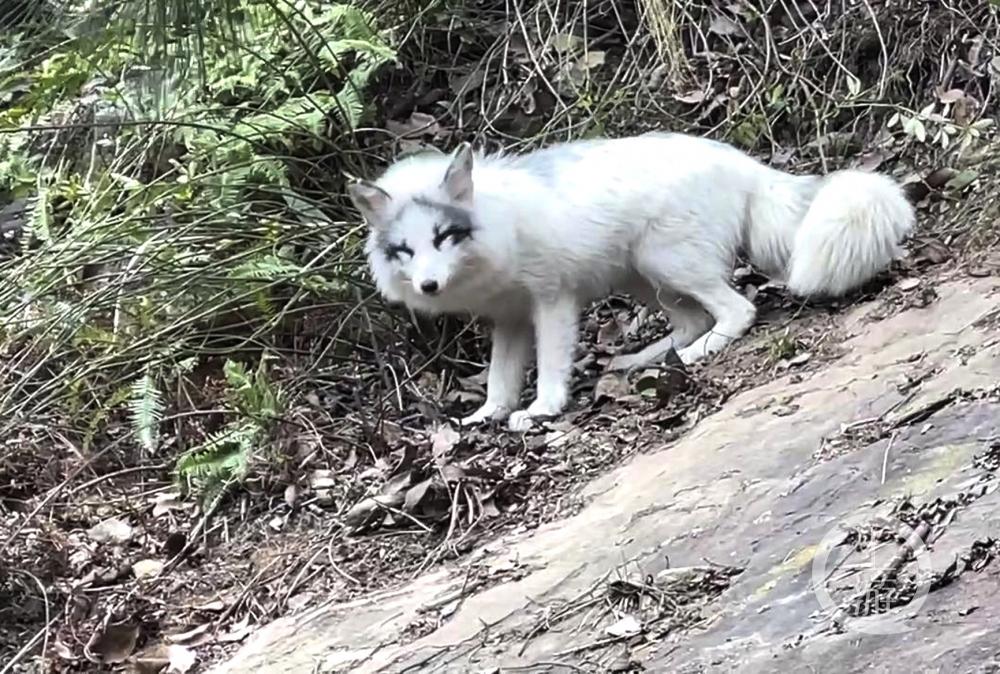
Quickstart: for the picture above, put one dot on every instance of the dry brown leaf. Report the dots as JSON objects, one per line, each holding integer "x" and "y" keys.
{"x": 237, "y": 632}
{"x": 723, "y": 25}
{"x": 477, "y": 380}
{"x": 490, "y": 510}
{"x": 168, "y": 502}
{"x": 609, "y": 332}
{"x": 563, "y": 42}
{"x": 592, "y": 59}
{"x": 464, "y": 83}
{"x": 951, "y": 95}
{"x": 692, "y": 97}
{"x": 398, "y": 483}
{"x": 114, "y": 529}
{"x": 291, "y": 495}
{"x": 933, "y": 251}
{"x": 561, "y": 433}
{"x": 452, "y": 473}
{"x": 147, "y": 568}
{"x": 150, "y": 660}
{"x": 665, "y": 381}
{"x": 212, "y": 606}
{"x": 418, "y": 125}
{"x": 115, "y": 643}
{"x": 300, "y": 601}
{"x": 871, "y": 161}
{"x": 195, "y": 635}
{"x": 939, "y": 177}
{"x": 366, "y": 508}
{"x": 962, "y": 180}
{"x": 409, "y": 146}
{"x": 443, "y": 439}
{"x": 63, "y": 651}
{"x": 682, "y": 577}
{"x": 611, "y": 386}
{"x": 182, "y": 659}
{"x": 627, "y": 626}
{"x": 415, "y": 495}
{"x": 322, "y": 479}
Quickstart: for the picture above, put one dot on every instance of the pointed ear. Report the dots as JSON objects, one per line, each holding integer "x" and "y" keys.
{"x": 457, "y": 182}
{"x": 371, "y": 200}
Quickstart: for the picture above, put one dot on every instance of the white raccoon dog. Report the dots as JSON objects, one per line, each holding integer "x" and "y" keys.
{"x": 527, "y": 241}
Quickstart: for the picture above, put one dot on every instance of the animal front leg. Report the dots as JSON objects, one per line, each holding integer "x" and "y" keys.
{"x": 508, "y": 360}
{"x": 555, "y": 337}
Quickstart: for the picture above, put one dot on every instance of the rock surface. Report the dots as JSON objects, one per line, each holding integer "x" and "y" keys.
{"x": 763, "y": 486}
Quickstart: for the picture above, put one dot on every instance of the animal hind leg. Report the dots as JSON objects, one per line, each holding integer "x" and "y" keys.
{"x": 703, "y": 280}
{"x": 734, "y": 316}
{"x": 688, "y": 321}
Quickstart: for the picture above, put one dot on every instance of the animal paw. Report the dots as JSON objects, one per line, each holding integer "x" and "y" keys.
{"x": 523, "y": 420}
{"x": 621, "y": 363}
{"x": 690, "y": 355}
{"x": 487, "y": 412}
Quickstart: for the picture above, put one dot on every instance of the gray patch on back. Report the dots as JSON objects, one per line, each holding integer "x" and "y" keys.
{"x": 546, "y": 162}
{"x": 658, "y": 134}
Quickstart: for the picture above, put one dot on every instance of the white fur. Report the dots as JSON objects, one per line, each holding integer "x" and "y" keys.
{"x": 660, "y": 217}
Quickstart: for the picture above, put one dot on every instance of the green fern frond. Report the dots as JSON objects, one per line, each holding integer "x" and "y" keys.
{"x": 224, "y": 458}
{"x": 333, "y": 53}
{"x": 39, "y": 223}
{"x": 267, "y": 267}
{"x": 185, "y": 365}
{"x": 253, "y": 393}
{"x": 351, "y": 107}
{"x": 237, "y": 375}
{"x": 146, "y": 406}
{"x": 120, "y": 396}
{"x": 301, "y": 115}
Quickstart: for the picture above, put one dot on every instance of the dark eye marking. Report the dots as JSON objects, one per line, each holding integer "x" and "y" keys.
{"x": 457, "y": 234}
{"x": 453, "y": 222}
{"x": 393, "y": 251}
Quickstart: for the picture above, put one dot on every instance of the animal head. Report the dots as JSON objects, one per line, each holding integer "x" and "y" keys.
{"x": 422, "y": 231}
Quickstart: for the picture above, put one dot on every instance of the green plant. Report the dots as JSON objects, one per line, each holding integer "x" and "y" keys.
{"x": 224, "y": 458}
{"x": 146, "y": 406}
{"x": 180, "y": 223}
{"x": 782, "y": 346}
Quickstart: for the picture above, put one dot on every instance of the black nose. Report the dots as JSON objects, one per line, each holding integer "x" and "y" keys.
{"x": 429, "y": 287}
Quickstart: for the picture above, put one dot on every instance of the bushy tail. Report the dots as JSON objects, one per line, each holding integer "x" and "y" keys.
{"x": 851, "y": 232}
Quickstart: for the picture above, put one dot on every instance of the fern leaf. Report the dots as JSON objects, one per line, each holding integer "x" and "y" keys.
{"x": 351, "y": 106}
{"x": 222, "y": 459}
{"x": 39, "y": 221}
{"x": 146, "y": 405}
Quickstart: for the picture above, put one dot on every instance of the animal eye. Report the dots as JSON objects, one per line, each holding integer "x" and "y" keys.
{"x": 455, "y": 233}
{"x": 393, "y": 252}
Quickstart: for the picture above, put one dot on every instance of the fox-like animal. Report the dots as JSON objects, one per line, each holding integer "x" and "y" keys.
{"x": 527, "y": 241}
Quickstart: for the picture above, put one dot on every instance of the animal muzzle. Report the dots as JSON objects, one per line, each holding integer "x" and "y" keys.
{"x": 428, "y": 286}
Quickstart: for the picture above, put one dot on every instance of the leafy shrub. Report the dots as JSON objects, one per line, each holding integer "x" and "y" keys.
{"x": 168, "y": 208}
